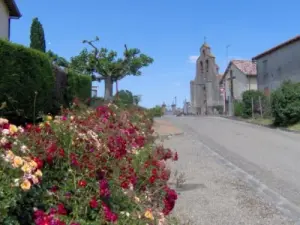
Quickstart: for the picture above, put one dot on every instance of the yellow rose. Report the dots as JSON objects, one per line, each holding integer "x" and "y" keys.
{"x": 49, "y": 118}
{"x": 41, "y": 125}
{"x": 38, "y": 173}
{"x": 148, "y": 214}
{"x": 26, "y": 185}
{"x": 33, "y": 164}
{"x": 13, "y": 129}
{"x": 26, "y": 168}
{"x": 18, "y": 161}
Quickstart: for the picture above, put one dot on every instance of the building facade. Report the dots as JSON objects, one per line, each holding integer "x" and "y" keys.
{"x": 204, "y": 89}
{"x": 8, "y": 11}
{"x": 243, "y": 74}
{"x": 278, "y": 64}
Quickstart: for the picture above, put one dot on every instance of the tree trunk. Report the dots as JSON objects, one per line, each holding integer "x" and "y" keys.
{"x": 108, "y": 89}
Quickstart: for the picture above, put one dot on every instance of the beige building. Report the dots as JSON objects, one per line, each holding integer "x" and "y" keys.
{"x": 8, "y": 10}
{"x": 244, "y": 77}
{"x": 204, "y": 88}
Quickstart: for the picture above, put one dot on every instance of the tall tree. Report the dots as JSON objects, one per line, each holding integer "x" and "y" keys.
{"x": 37, "y": 36}
{"x": 105, "y": 65}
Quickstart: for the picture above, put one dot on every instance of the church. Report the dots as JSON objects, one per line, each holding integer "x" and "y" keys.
{"x": 205, "y": 89}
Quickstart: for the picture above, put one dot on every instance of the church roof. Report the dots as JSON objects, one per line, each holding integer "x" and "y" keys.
{"x": 205, "y": 45}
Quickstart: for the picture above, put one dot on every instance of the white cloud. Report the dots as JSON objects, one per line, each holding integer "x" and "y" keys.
{"x": 193, "y": 58}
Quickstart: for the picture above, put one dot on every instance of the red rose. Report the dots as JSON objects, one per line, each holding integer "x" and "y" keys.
{"x": 82, "y": 183}
{"x": 93, "y": 203}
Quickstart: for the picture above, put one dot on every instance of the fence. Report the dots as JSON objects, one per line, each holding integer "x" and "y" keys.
{"x": 258, "y": 106}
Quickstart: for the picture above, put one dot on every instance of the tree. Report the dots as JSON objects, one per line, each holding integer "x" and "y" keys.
{"x": 103, "y": 64}
{"x": 37, "y": 36}
{"x": 80, "y": 63}
{"x": 136, "y": 99}
{"x": 125, "y": 96}
{"x": 57, "y": 60}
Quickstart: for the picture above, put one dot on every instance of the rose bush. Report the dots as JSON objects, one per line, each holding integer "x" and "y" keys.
{"x": 85, "y": 167}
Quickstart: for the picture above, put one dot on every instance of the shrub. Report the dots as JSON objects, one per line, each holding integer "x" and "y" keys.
{"x": 247, "y": 102}
{"x": 85, "y": 168}
{"x": 238, "y": 108}
{"x": 79, "y": 86}
{"x": 26, "y": 82}
{"x": 155, "y": 111}
{"x": 286, "y": 104}
{"x": 124, "y": 97}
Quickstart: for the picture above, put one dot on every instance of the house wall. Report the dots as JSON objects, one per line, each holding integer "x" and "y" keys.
{"x": 283, "y": 64}
{"x": 4, "y": 20}
{"x": 241, "y": 82}
{"x": 96, "y": 86}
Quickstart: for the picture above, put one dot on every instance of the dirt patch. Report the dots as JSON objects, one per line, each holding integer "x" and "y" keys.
{"x": 163, "y": 128}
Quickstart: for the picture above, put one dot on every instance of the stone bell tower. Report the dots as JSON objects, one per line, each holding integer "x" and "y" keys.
{"x": 204, "y": 88}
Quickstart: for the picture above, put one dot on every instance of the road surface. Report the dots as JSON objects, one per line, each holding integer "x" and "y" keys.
{"x": 254, "y": 172}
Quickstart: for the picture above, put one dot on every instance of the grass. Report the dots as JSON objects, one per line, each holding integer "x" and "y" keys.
{"x": 295, "y": 127}
{"x": 261, "y": 121}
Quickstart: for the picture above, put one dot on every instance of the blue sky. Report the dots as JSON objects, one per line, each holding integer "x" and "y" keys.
{"x": 169, "y": 31}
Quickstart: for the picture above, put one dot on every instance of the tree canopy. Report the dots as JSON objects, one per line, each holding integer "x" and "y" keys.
{"x": 37, "y": 36}
{"x": 104, "y": 64}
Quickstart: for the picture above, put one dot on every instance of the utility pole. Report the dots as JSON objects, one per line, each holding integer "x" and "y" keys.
{"x": 229, "y": 100}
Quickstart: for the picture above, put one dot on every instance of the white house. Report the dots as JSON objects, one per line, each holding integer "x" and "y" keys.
{"x": 8, "y": 10}
{"x": 243, "y": 73}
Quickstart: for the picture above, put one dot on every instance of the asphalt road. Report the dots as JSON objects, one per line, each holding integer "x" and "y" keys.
{"x": 266, "y": 161}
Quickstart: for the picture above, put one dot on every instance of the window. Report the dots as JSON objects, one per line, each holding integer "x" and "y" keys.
{"x": 203, "y": 51}
{"x": 279, "y": 72}
{"x": 206, "y": 65}
{"x": 94, "y": 93}
{"x": 265, "y": 68}
{"x": 201, "y": 66}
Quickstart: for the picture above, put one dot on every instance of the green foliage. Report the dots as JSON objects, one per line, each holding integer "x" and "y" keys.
{"x": 247, "y": 102}
{"x": 37, "y": 36}
{"x": 155, "y": 111}
{"x": 285, "y": 104}
{"x": 26, "y": 81}
{"x": 79, "y": 63}
{"x": 104, "y": 64}
{"x": 238, "y": 108}
{"x": 57, "y": 60}
{"x": 125, "y": 97}
{"x": 79, "y": 86}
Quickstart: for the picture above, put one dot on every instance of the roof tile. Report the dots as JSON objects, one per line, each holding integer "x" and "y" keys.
{"x": 246, "y": 66}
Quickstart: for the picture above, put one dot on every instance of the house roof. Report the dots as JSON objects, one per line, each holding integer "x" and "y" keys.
{"x": 247, "y": 67}
{"x": 284, "y": 44}
{"x": 13, "y": 9}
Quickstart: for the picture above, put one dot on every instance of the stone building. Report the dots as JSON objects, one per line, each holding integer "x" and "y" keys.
{"x": 205, "y": 94}
{"x": 278, "y": 64}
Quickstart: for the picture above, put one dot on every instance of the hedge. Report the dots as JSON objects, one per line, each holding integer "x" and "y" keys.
{"x": 79, "y": 86}
{"x": 26, "y": 82}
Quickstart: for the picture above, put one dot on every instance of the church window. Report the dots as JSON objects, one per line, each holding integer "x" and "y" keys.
{"x": 206, "y": 65}
{"x": 201, "y": 66}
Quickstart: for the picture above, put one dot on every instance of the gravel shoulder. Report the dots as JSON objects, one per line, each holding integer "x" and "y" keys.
{"x": 212, "y": 194}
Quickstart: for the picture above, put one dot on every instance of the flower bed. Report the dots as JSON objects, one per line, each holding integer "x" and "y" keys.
{"x": 85, "y": 167}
